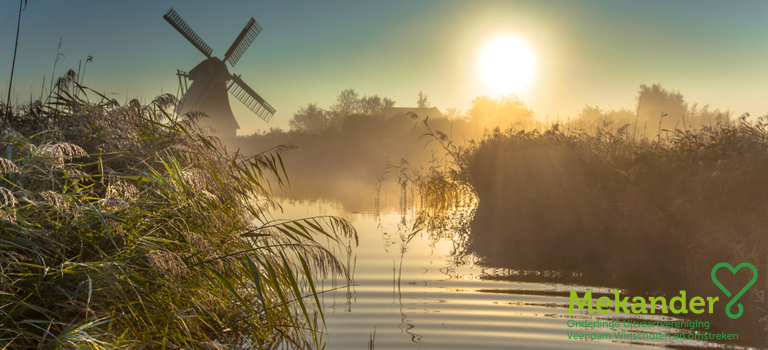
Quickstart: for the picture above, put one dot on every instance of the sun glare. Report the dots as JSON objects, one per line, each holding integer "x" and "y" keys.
{"x": 507, "y": 64}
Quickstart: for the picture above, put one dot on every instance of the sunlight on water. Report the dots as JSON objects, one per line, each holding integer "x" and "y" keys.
{"x": 424, "y": 294}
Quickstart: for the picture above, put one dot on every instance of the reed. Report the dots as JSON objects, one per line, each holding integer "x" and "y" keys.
{"x": 126, "y": 226}
{"x": 646, "y": 214}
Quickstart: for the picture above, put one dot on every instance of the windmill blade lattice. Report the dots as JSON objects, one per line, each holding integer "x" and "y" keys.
{"x": 243, "y": 41}
{"x": 175, "y": 20}
{"x": 238, "y": 88}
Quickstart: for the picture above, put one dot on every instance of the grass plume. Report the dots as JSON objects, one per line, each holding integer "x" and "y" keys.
{"x": 126, "y": 226}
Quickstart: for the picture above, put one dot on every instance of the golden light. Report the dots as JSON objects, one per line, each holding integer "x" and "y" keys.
{"x": 507, "y": 64}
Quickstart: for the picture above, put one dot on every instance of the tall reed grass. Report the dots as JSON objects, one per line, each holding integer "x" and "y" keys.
{"x": 126, "y": 226}
{"x": 652, "y": 215}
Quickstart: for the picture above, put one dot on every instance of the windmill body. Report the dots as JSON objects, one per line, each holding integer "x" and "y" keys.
{"x": 208, "y": 93}
{"x": 211, "y": 81}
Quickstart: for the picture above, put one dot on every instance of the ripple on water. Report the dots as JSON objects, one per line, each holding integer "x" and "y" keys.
{"x": 424, "y": 297}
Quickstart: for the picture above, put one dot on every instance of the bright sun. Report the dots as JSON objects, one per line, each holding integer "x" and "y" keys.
{"x": 507, "y": 64}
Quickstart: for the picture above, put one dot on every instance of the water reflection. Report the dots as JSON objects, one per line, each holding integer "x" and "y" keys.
{"x": 419, "y": 284}
{"x": 507, "y": 252}
{"x": 406, "y": 230}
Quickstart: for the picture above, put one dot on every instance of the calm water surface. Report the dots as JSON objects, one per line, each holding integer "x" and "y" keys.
{"x": 424, "y": 294}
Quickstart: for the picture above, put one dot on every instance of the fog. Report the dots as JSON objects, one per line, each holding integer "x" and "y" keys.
{"x": 346, "y": 149}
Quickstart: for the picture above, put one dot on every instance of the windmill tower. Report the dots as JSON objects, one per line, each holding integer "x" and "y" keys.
{"x": 211, "y": 81}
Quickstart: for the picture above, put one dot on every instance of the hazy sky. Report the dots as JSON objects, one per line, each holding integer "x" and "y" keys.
{"x": 587, "y": 52}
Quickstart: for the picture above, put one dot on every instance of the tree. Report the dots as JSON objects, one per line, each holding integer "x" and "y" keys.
{"x": 591, "y": 114}
{"x": 593, "y": 117}
{"x": 422, "y": 102}
{"x": 347, "y": 103}
{"x": 453, "y": 113}
{"x": 374, "y": 105}
{"x": 507, "y": 111}
{"x": 697, "y": 117}
{"x": 654, "y": 101}
{"x": 310, "y": 119}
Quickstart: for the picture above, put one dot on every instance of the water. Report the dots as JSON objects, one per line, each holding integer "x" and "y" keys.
{"x": 425, "y": 294}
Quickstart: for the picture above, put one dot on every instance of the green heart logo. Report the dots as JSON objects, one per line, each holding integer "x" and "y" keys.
{"x": 741, "y": 292}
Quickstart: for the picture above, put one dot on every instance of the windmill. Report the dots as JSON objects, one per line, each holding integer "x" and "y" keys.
{"x": 211, "y": 80}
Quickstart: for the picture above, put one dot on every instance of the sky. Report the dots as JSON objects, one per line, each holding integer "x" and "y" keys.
{"x": 586, "y": 52}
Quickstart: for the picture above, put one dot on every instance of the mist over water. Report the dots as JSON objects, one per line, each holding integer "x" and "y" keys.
{"x": 580, "y": 204}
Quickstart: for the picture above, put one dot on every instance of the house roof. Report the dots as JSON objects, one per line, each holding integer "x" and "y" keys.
{"x": 433, "y": 112}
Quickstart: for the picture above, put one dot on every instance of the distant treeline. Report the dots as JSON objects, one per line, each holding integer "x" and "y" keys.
{"x": 343, "y": 149}
{"x": 657, "y": 112}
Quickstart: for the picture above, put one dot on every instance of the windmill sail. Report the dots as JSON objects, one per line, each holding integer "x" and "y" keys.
{"x": 175, "y": 20}
{"x": 243, "y": 41}
{"x": 211, "y": 80}
{"x": 250, "y": 98}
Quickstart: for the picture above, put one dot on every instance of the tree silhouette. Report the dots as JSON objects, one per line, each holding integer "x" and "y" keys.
{"x": 374, "y": 105}
{"x": 309, "y": 119}
{"x": 657, "y": 101}
{"x": 507, "y": 111}
{"x": 422, "y": 102}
